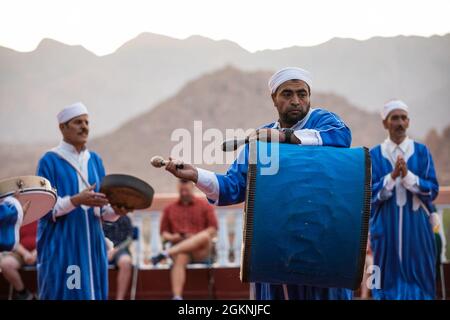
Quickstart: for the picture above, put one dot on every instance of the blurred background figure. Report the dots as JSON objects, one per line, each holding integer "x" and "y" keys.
{"x": 120, "y": 233}
{"x": 189, "y": 225}
{"x": 403, "y": 184}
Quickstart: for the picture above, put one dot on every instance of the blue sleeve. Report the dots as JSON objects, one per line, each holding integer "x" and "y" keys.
{"x": 333, "y": 131}
{"x": 8, "y": 221}
{"x": 44, "y": 169}
{"x": 101, "y": 167}
{"x": 377, "y": 181}
{"x": 428, "y": 183}
{"x": 100, "y": 170}
{"x": 6, "y": 211}
{"x": 233, "y": 184}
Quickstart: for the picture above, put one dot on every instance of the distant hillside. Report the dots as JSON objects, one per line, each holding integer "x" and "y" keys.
{"x": 145, "y": 71}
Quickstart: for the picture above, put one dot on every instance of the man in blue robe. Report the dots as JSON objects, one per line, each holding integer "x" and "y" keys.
{"x": 11, "y": 216}
{"x": 72, "y": 257}
{"x": 403, "y": 183}
{"x": 298, "y": 123}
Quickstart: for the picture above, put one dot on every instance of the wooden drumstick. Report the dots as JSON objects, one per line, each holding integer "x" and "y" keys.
{"x": 231, "y": 145}
{"x": 158, "y": 162}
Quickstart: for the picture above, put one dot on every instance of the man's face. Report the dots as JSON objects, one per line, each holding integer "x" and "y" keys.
{"x": 186, "y": 191}
{"x": 292, "y": 100}
{"x": 76, "y": 131}
{"x": 396, "y": 123}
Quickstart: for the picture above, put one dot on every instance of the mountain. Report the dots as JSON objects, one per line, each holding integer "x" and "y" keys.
{"x": 34, "y": 86}
{"x": 145, "y": 71}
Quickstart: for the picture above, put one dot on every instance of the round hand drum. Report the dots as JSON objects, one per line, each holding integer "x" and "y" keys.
{"x": 33, "y": 189}
{"x": 127, "y": 191}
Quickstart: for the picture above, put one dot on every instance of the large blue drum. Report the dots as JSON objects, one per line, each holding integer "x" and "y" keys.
{"x": 307, "y": 223}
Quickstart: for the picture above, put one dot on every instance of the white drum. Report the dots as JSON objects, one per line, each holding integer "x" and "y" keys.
{"x": 33, "y": 189}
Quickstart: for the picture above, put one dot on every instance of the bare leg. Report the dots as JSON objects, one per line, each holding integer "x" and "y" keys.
{"x": 199, "y": 241}
{"x": 123, "y": 276}
{"x": 10, "y": 270}
{"x": 202, "y": 253}
{"x": 178, "y": 273}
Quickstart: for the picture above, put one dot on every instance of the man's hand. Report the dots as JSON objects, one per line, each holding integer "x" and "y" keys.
{"x": 89, "y": 198}
{"x": 28, "y": 257}
{"x": 403, "y": 166}
{"x": 172, "y": 237}
{"x": 111, "y": 254}
{"x": 397, "y": 169}
{"x": 189, "y": 172}
{"x": 34, "y": 253}
{"x": 266, "y": 135}
{"x": 121, "y": 211}
{"x": 175, "y": 238}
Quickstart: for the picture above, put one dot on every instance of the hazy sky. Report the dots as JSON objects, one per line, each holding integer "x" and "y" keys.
{"x": 103, "y": 25}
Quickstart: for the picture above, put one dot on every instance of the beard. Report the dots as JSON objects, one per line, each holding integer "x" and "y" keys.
{"x": 398, "y": 132}
{"x": 290, "y": 118}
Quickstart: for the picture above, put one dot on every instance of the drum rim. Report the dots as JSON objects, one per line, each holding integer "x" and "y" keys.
{"x": 131, "y": 182}
{"x": 11, "y": 193}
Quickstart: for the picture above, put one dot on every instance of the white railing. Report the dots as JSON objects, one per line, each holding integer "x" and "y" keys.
{"x": 227, "y": 243}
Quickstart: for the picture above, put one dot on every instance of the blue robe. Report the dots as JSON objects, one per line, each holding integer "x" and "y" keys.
{"x": 232, "y": 185}
{"x": 402, "y": 239}
{"x": 72, "y": 260}
{"x": 9, "y": 226}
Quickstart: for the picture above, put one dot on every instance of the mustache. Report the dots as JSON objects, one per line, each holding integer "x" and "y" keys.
{"x": 294, "y": 108}
{"x": 83, "y": 131}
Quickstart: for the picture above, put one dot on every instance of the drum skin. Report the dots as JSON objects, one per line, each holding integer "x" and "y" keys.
{"x": 33, "y": 189}
{"x": 127, "y": 191}
{"x": 308, "y": 223}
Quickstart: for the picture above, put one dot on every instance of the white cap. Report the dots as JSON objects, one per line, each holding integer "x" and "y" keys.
{"x": 286, "y": 74}
{"x": 391, "y": 106}
{"x": 72, "y": 111}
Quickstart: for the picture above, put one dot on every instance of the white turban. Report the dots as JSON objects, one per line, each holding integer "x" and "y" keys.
{"x": 287, "y": 74}
{"x": 72, "y": 111}
{"x": 391, "y": 106}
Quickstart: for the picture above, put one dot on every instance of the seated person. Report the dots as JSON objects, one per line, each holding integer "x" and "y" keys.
{"x": 189, "y": 224}
{"x": 120, "y": 233}
{"x": 24, "y": 254}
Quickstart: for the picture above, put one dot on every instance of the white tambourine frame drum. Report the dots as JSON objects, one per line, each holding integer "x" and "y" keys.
{"x": 33, "y": 189}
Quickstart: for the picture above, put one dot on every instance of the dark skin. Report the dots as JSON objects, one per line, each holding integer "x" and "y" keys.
{"x": 397, "y": 123}
{"x": 292, "y": 101}
{"x": 76, "y": 133}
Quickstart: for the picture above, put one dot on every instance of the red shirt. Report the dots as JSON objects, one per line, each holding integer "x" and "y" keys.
{"x": 190, "y": 218}
{"x": 28, "y": 236}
